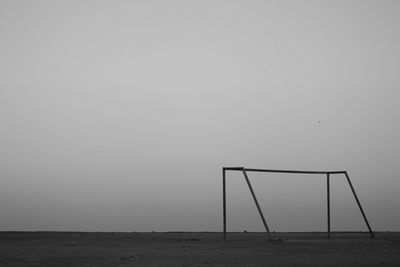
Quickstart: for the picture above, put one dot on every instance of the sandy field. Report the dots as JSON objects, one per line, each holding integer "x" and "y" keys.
{"x": 197, "y": 249}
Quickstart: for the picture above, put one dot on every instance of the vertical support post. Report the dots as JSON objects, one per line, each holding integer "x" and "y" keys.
{"x": 224, "y": 200}
{"x": 255, "y": 200}
{"x": 328, "y": 202}
{"x": 359, "y": 205}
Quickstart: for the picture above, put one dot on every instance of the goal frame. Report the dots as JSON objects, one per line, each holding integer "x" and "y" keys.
{"x": 327, "y": 173}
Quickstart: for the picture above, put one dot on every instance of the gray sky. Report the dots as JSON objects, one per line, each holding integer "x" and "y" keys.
{"x": 119, "y": 115}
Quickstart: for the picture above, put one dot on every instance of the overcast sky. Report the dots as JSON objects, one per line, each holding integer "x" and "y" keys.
{"x": 119, "y": 115}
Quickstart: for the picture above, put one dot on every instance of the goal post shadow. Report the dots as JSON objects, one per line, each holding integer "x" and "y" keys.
{"x": 328, "y": 176}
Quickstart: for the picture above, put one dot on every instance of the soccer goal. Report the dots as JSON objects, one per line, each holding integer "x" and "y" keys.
{"x": 327, "y": 173}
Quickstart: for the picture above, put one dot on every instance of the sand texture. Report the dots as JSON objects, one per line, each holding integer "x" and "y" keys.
{"x": 197, "y": 249}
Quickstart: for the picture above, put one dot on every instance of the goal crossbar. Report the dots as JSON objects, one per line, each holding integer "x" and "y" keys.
{"x": 327, "y": 173}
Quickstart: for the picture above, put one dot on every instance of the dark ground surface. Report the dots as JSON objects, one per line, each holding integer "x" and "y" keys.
{"x": 197, "y": 249}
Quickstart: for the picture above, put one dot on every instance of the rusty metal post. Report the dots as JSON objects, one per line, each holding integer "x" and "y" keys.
{"x": 255, "y": 200}
{"x": 328, "y": 202}
{"x": 359, "y": 205}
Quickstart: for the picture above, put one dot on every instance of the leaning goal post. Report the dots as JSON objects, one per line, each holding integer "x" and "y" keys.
{"x": 328, "y": 176}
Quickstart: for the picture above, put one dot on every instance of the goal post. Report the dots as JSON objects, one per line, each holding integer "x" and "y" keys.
{"x": 328, "y": 176}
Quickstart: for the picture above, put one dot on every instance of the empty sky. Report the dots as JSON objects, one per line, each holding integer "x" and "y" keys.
{"x": 119, "y": 115}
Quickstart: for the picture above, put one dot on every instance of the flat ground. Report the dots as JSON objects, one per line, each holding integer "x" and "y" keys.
{"x": 197, "y": 249}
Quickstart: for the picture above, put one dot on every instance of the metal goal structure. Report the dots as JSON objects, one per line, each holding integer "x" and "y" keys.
{"x": 327, "y": 173}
